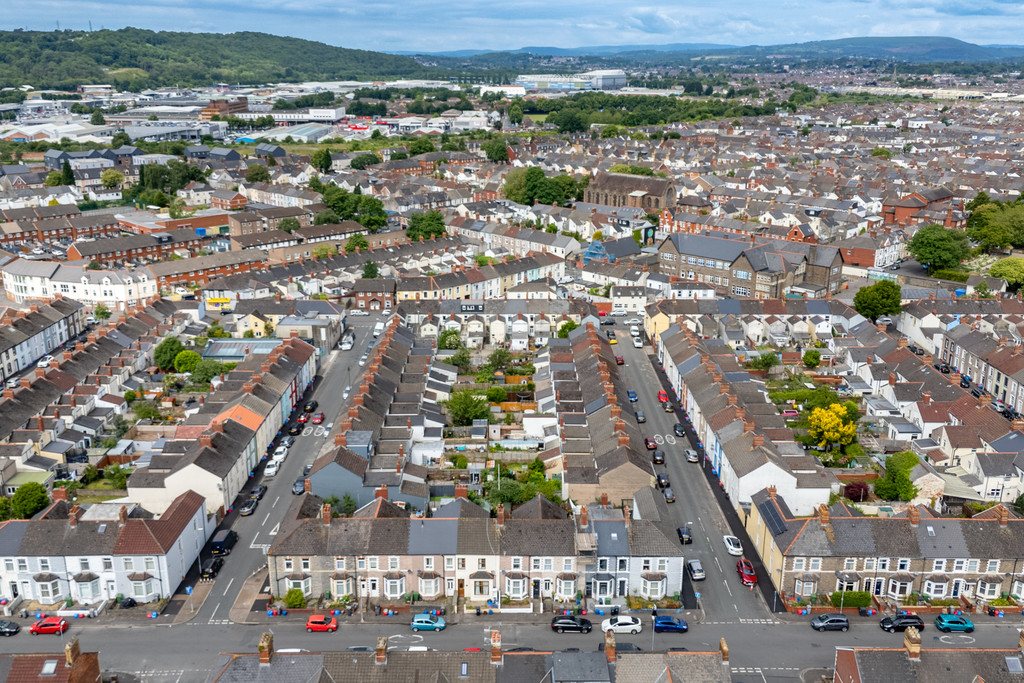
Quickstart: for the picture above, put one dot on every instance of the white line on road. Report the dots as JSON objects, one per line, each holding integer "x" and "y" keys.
{"x": 228, "y": 587}
{"x": 274, "y": 504}
{"x": 727, "y": 587}
{"x": 214, "y": 611}
{"x": 277, "y": 527}
{"x": 716, "y": 561}
{"x": 266, "y": 519}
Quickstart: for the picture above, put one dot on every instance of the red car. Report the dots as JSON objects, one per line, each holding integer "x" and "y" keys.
{"x": 49, "y": 625}
{"x": 619, "y": 360}
{"x": 746, "y": 571}
{"x": 663, "y": 396}
{"x": 318, "y": 417}
{"x": 651, "y": 444}
{"x": 319, "y": 622}
{"x": 303, "y": 418}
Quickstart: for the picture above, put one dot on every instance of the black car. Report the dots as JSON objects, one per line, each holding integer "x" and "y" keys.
{"x": 211, "y": 567}
{"x": 299, "y": 486}
{"x": 295, "y": 429}
{"x": 8, "y": 628}
{"x": 640, "y": 417}
{"x": 248, "y": 507}
{"x": 307, "y": 469}
{"x": 658, "y": 457}
{"x": 288, "y": 441}
{"x": 662, "y": 481}
{"x": 258, "y": 492}
{"x": 965, "y": 382}
{"x": 901, "y": 622}
{"x": 679, "y": 430}
{"x": 310, "y": 406}
{"x": 569, "y": 623}
{"x": 684, "y": 535}
{"x": 608, "y": 321}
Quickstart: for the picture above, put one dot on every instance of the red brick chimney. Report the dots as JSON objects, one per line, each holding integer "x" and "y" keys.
{"x": 382, "y": 492}
{"x": 247, "y": 388}
{"x": 382, "y": 650}
{"x": 1004, "y": 516}
{"x": 59, "y": 493}
{"x": 914, "y": 515}
{"x": 340, "y": 440}
{"x": 926, "y": 397}
{"x": 892, "y": 379}
{"x": 758, "y": 440}
{"x": 325, "y": 510}
{"x": 772, "y": 492}
{"x": 604, "y": 500}
{"x": 824, "y": 514}
{"x": 501, "y": 514}
{"x": 206, "y": 439}
{"x": 266, "y": 648}
{"x": 912, "y": 643}
{"x": 583, "y": 517}
{"x": 609, "y": 646}
{"x": 495, "y": 647}
{"x": 461, "y": 491}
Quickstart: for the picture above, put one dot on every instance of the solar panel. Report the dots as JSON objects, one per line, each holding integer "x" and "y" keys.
{"x": 772, "y": 518}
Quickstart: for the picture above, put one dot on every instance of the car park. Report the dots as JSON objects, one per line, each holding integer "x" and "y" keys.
{"x": 622, "y": 624}
{"x": 696, "y": 570}
{"x": 685, "y": 535}
{"x": 321, "y": 623}
{"x": 49, "y": 625}
{"x": 631, "y": 395}
{"x": 678, "y": 429}
{"x": 732, "y": 545}
{"x": 691, "y": 455}
{"x": 8, "y": 628}
{"x": 831, "y": 622}
{"x": 258, "y": 492}
{"x": 953, "y": 622}
{"x": 211, "y": 567}
{"x": 901, "y": 622}
{"x": 670, "y": 495}
{"x": 746, "y": 571}
{"x": 640, "y": 417}
{"x": 564, "y": 623}
{"x": 670, "y": 625}
{"x": 658, "y": 457}
{"x": 427, "y": 622}
{"x": 651, "y": 444}
{"x": 248, "y": 507}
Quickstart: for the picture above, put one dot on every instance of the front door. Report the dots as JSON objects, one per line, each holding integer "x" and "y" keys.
{"x": 536, "y": 588}
{"x": 623, "y": 587}
{"x": 462, "y": 588}
{"x": 374, "y": 589}
{"x": 14, "y": 589}
{"x": 958, "y": 587}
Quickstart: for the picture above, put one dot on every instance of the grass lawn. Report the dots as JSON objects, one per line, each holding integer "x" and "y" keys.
{"x": 82, "y": 496}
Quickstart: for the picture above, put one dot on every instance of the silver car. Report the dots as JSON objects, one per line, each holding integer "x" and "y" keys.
{"x": 696, "y": 570}
{"x": 691, "y": 455}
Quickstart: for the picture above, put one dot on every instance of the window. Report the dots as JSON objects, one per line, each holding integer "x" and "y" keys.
{"x": 49, "y": 591}
{"x": 462, "y": 563}
{"x": 972, "y": 565}
{"x": 850, "y": 564}
{"x": 799, "y": 564}
{"x": 430, "y": 586}
{"x": 992, "y": 567}
{"x": 428, "y": 563}
{"x": 935, "y": 589}
{"x": 142, "y": 589}
{"x": 543, "y": 563}
{"x": 150, "y": 563}
{"x": 741, "y": 274}
{"x": 741, "y": 291}
{"x": 481, "y": 588}
{"x": 815, "y": 564}
{"x": 343, "y": 587}
{"x": 481, "y": 563}
{"x": 646, "y": 564}
{"x": 869, "y": 564}
{"x": 108, "y": 564}
{"x": 567, "y": 564}
{"x": 44, "y": 565}
{"x": 602, "y": 564}
{"x": 883, "y": 564}
{"x": 449, "y": 563}
{"x": 899, "y": 588}
{"x": 339, "y": 564}
{"x": 804, "y": 588}
{"x": 623, "y": 564}
{"x": 304, "y": 585}
{"x": 517, "y": 563}
{"x": 129, "y": 564}
{"x": 372, "y": 562}
{"x": 360, "y": 563}
{"x": 903, "y": 564}
{"x": 515, "y": 588}
{"x": 565, "y": 588}
{"x": 938, "y": 565}
{"x": 843, "y": 586}
{"x": 394, "y": 588}
{"x": 305, "y": 564}
{"x": 1018, "y": 589}
{"x": 988, "y": 589}
{"x": 662, "y": 565}
{"x": 392, "y": 562}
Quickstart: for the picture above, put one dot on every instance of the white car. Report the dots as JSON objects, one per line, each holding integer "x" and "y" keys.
{"x": 45, "y": 361}
{"x": 622, "y": 625}
{"x": 280, "y": 453}
{"x": 362, "y": 359}
{"x": 357, "y": 312}
{"x": 618, "y": 313}
{"x": 272, "y": 468}
{"x": 344, "y": 394}
{"x": 732, "y": 545}
{"x": 638, "y": 343}
{"x": 633, "y": 321}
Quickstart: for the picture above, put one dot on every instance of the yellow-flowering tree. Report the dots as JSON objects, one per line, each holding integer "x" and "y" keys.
{"x": 830, "y": 426}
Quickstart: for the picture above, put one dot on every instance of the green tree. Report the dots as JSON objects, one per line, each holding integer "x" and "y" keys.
{"x": 54, "y": 179}
{"x": 206, "y": 370}
{"x": 116, "y": 475}
{"x": 257, "y": 173}
{"x": 176, "y": 209}
{"x": 425, "y": 225}
{"x": 421, "y": 145}
{"x": 881, "y": 298}
{"x": 370, "y": 270}
{"x": 348, "y": 505}
{"x": 326, "y": 217}
{"x": 569, "y": 121}
{"x": 294, "y": 599}
{"x": 364, "y": 161}
{"x": 130, "y": 396}
{"x": 289, "y": 224}
{"x": 765, "y": 361}
{"x": 541, "y": 189}
{"x": 1010, "y": 269}
{"x": 462, "y": 360}
{"x": 323, "y": 251}
{"x": 6, "y": 510}
{"x": 97, "y": 118}
{"x": 812, "y": 358}
{"x": 1018, "y": 504}
{"x": 101, "y": 312}
{"x": 29, "y": 499}
{"x": 449, "y": 340}
{"x": 120, "y": 140}
{"x": 896, "y": 484}
{"x": 321, "y": 160}
{"x": 565, "y": 328}
{"x": 499, "y": 359}
{"x": 144, "y": 410}
{"x": 496, "y": 150}
{"x": 497, "y": 395}
{"x": 111, "y": 178}
{"x": 514, "y": 186}
{"x": 67, "y": 176}
{"x": 356, "y": 242}
{"x": 465, "y": 405}
{"x": 882, "y": 152}
{"x": 938, "y": 248}
{"x": 186, "y": 361}
{"x": 515, "y": 113}
{"x": 166, "y": 352}
{"x": 90, "y": 473}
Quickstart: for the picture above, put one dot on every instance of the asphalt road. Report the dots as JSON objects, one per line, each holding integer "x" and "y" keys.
{"x": 722, "y": 596}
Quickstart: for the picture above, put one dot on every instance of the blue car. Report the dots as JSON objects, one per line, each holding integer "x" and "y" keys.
{"x": 669, "y": 625}
{"x": 952, "y": 622}
{"x": 632, "y": 396}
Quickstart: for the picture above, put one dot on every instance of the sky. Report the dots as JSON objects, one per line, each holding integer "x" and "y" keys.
{"x": 445, "y": 25}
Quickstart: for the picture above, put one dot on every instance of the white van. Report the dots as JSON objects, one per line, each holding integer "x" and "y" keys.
{"x": 634, "y": 330}
{"x": 378, "y": 329}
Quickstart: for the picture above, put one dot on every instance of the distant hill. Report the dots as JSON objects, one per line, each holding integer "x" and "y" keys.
{"x": 138, "y": 59}
{"x": 593, "y": 51}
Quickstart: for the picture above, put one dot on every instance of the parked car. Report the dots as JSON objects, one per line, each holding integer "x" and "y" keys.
{"x": 299, "y": 487}
{"x": 258, "y": 492}
{"x": 211, "y": 567}
{"x": 288, "y": 441}
{"x": 49, "y": 625}
{"x": 570, "y": 623}
{"x": 661, "y": 481}
{"x": 831, "y": 622}
{"x": 640, "y": 417}
{"x": 280, "y": 453}
{"x": 678, "y": 429}
{"x": 669, "y": 406}
{"x": 272, "y": 468}
{"x": 427, "y": 622}
{"x": 622, "y": 624}
{"x": 746, "y": 571}
{"x": 8, "y": 628}
{"x": 900, "y": 622}
{"x": 318, "y": 417}
{"x": 634, "y": 321}
{"x": 619, "y": 360}
{"x": 670, "y": 495}
{"x": 663, "y": 396}
{"x": 638, "y": 343}
{"x": 651, "y": 444}
{"x": 607, "y": 322}
{"x": 303, "y": 418}
{"x": 295, "y": 429}
{"x": 953, "y": 622}
{"x": 344, "y": 394}
{"x": 321, "y": 622}
{"x": 732, "y": 545}
{"x": 691, "y": 455}
{"x": 631, "y": 395}
{"x": 685, "y": 535}
{"x": 696, "y": 570}
{"x": 621, "y": 647}
{"x": 355, "y": 312}
{"x": 670, "y": 625}
{"x": 307, "y": 468}
{"x": 310, "y": 406}
{"x": 248, "y": 507}
{"x": 658, "y": 457}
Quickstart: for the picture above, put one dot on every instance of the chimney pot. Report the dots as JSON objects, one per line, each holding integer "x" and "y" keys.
{"x": 824, "y": 514}
{"x": 912, "y": 643}
{"x": 461, "y": 491}
{"x": 914, "y": 515}
{"x": 382, "y": 650}
{"x": 609, "y": 646}
{"x": 604, "y": 500}
{"x": 583, "y": 517}
{"x": 325, "y": 510}
{"x": 495, "y": 647}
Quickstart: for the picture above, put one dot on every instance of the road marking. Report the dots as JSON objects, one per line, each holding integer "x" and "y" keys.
{"x": 274, "y": 504}
{"x": 659, "y": 439}
{"x": 959, "y": 639}
{"x": 307, "y": 431}
{"x": 277, "y": 527}
{"x": 727, "y": 587}
{"x": 253, "y": 544}
{"x": 318, "y": 431}
{"x": 266, "y": 519}
{"x": 716, "y": 561}
{"x": 214, "y": 612}
{"x": 669, "y": 439}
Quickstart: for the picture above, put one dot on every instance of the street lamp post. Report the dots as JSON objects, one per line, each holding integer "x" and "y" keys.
{"x": 842, "y": 595}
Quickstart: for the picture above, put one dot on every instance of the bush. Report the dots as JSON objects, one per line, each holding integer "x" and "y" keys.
{"x": 294, "y": 599}
{"x": 857, "y": 491}
{"x": 496, "y": 395}
{"x": 947, "y": 274}
{"x": 851, "y": 599}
